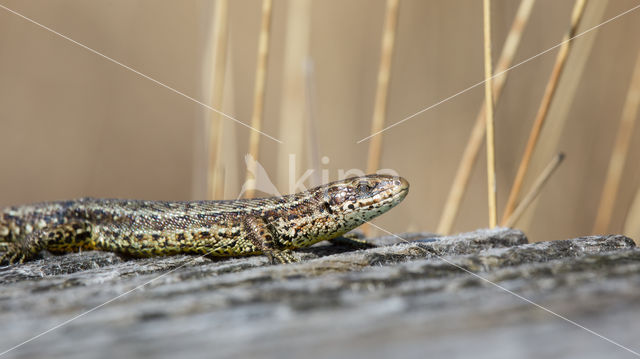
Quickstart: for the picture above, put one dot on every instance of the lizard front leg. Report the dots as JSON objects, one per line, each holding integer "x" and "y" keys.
{"x": 265, "y": 239}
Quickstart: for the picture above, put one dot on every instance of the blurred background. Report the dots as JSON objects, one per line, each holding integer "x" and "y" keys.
{"x": 75, "y": 124}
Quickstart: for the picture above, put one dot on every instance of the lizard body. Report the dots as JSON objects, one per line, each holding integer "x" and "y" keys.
{"x": 271, "y": 226}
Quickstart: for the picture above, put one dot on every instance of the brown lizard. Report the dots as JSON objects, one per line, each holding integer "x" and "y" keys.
{"x": 271, "y": 226}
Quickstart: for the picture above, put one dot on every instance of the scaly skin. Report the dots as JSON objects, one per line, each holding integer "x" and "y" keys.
{"x": 271, "y": 226}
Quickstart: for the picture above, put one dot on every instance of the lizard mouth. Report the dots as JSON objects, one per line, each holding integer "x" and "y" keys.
{"x": 401, "y": 194}
{"x": 391, "y": 196}
{"x": 404, "y": 185}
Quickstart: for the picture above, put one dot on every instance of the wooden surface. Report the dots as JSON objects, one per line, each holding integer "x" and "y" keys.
{"x": 398, "y": 300}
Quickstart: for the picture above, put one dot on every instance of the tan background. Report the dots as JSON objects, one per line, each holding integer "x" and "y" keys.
{"x": 74, "y": 124}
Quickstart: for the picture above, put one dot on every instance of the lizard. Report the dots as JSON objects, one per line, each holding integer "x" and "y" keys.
{"x": 272, "y": 226}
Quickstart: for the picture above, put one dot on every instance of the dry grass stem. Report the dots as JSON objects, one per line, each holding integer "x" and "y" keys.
{"x": 313, "y": 149}
{"x": 215, "y": 183}
{"x": 461, "y": 180}
{"x": 292, "y": 108}
{"x": 382, "y": 90}
{"x": 488, "y": 96}
{"x": 384, "y": 72}
{"x": 552, "y": 84}
{"x": 232, "y": 173}
{"x": 619, "y": 153}
{"x": 258, "y": 94}
{"x": 564, "y": 99}
{"x": 632, "y": 223}
{"x": 535, "y": 190}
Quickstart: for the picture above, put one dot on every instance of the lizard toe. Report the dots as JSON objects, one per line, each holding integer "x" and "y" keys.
{"x": 282, "y": 256}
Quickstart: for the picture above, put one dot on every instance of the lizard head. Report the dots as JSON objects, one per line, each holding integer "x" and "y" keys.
{"x": 360, "y": 199}
{"x": 335, "y": 208}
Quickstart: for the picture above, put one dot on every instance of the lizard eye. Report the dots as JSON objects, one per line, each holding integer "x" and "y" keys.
{"x": 364, "y": 187}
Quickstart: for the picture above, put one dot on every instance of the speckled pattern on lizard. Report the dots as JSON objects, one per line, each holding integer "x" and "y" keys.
{"x": 271, "y": 226}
